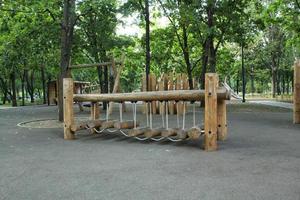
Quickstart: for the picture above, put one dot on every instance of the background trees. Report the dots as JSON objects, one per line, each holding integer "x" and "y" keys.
{"x": 251, "y": 44}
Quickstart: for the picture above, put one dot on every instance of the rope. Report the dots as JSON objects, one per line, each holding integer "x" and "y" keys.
{"x": 141, "y": 139}
{"x": 167, "y": 115}
{"x": 107, "y": 113}
{"x": 147, "y": 114}
{"x": 150, "y": 115}
{"x": 121, "y": 113}
{"x": 194, "y": 114}
{"x": 183, "y": 117}
{"x": 177, "y": 107}
{"x": 134, "y": 114}
{"x": 162, "y": 117}
{"x": 174, "y": 140}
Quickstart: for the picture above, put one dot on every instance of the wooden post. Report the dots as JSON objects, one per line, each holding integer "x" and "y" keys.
{"x": 297, "y": 92}
{"x": 95, "y": 112}
{"x": 210, "y": 118}
{"x": 179, "y": 105}
{"x": 68, "y": 90}
{"x": 153, "y": 88}
{"x": 171, "y": 87}
{"x": 222, "y": 120}
{"x": 161, "y": 87}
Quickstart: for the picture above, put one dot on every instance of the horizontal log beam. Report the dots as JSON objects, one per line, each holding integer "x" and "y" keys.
{"x": 103, "y": 64}
{"x": 173, "y": 95}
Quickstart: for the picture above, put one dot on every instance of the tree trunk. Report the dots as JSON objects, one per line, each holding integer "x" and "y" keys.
{"x": 13, "y": 88}
{"x": 204, "y": 68}
{"x": 252, "y": 84}
{"x": 23, "y": 87}
{"x": 243, "y": 74}
{"x": 43, "y": 83}
{"x": 210, "y": 40}
{"x": 66, "y": 48}
{"x": 29, "y": 83}
{"x": 186, "y": 55}
{"x": 274, "y": 82}
{"x": 237, "y": 85}
{"x": 147, "y": 41}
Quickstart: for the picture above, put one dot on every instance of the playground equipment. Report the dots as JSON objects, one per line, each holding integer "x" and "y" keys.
{"x": 52, "y": 92}
{"x": 167, "y": 82}
{"x": 215, "y": 125}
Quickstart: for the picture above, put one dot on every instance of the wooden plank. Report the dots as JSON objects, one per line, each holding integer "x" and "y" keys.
{"x": 179, "y": 95}
{"x": 178, "y": 86}
{"x": 222, "y": 120}
{"x": 88, "y": 124}
{"x": 68, "y": 88}
{"x": 161, "y": 87}
{"x": 153, "y": 88}
{"x": 108, "y": 124}
{"x": 169, "y": 132}
{"x": 95, "y": 113}
{"x": 181, "y": 134}
{"x": 296, "y": 110}
{"x": 210, "y": 118}
{"x": 144, "y": 89}
{"x": 125, "y": 124}
{"x": 194, "y": 133}
{"x": 171, "y": 88}
{"x": 153, "y": 132}
{"x": 185, "y": 86}
{"x": 137, "y": 131}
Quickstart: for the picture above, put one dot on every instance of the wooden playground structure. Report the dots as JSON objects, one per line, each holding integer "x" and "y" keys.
{"x": 215, "y": 120}
{"x": 167, "y": 82}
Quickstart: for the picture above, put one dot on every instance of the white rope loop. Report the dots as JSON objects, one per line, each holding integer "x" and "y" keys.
{"x": 121, "y": 111}
{"x": 167, "y": 115}
{"x": 150, "y": 115}
{"x": 177, "y": 110}
{"x": 183, "y": 117}
{"x": 147, "y": 114}
{"x": 194, "y": 114}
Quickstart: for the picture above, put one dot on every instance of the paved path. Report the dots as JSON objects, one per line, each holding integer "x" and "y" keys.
{"x": 273, "y": 103}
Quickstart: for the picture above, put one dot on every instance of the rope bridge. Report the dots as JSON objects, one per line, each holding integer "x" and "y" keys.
{"x": 215, "y": 125}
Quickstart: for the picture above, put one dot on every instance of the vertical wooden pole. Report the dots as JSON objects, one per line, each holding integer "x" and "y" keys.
{"x": 222, "y": 120}
{"x": 179, "y": 87}
{"x": 95, "y": 112}
{"x": 297, "y": 92}
{"x": 68, "y": 90}
{"x": 210, "y": 118}
{"x": 185, "y": 86}
{"x": 171, "y": 87}
{"x": 153, "y": 88}
{"x": 161, "y": 87}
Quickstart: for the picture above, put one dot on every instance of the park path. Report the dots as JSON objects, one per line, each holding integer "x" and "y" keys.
{"x": 273, "y": 103}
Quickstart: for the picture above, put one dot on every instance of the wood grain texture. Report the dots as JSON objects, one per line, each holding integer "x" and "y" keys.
{"x": 68, "y": 88}
{"x": 296, "y": 92}
{"x": 210, "y": 116}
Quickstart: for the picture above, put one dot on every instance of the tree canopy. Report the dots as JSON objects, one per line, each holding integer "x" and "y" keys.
{"x": 40, "y": 38}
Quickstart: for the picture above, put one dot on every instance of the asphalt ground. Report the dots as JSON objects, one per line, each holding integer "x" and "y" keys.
{"x": 259, "y": 160}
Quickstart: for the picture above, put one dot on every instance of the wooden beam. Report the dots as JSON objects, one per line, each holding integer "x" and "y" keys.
{"x": 86, "y": 124}
{"x": 297, "y": 92}
{"x": 179, "y": 95}
{"x": 222, "y": 120}
{"x": 210, "y": 118}
{"x": 68, "y": 88}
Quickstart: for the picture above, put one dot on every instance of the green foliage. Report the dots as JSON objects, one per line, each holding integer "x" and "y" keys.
{"x": 30, "y": 34}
